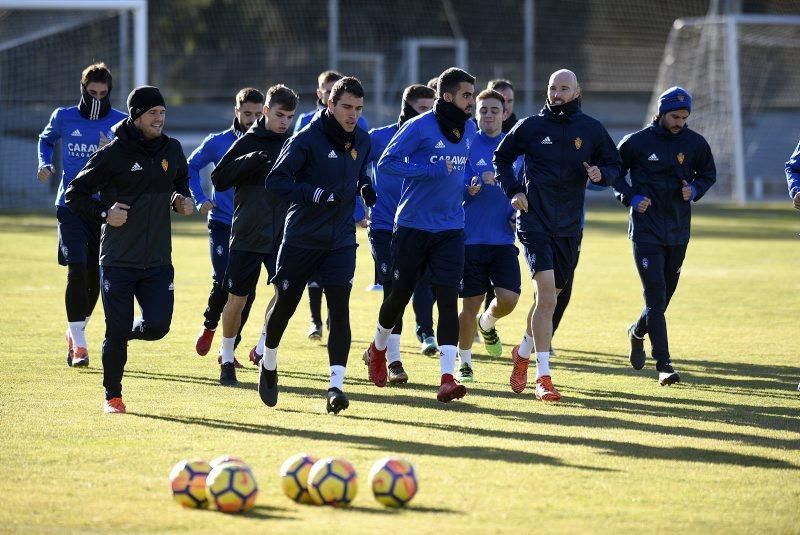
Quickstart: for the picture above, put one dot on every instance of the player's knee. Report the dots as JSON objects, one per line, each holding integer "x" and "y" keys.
{"x": 236, "y": 303}
{"x": 155, "y": 330}
{"x": 546, "y": 301}
{"x": 507, "y": 301}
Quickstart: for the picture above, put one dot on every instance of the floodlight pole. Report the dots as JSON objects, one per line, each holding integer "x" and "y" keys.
{"x": 529, "y": 55}
{"x": 333, "y": 34}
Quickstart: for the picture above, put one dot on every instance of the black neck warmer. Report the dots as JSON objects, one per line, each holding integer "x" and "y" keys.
{"x": 91, "y": 108}
{"x": 509, "y": 123}
{"x": 238, "y": 131}
{"x": 150, "y": 146}
{"x": 407, "y": 113}
{"x": 564, "y": 110}
{"x": 451, "y": 119}
{"x": 341, "y": 139}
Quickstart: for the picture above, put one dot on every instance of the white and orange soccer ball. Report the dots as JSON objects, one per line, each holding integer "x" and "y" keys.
{"x": 393, "y": 481}
{"x": 225, "y": 459}
{"x": 332, "y": 481}
{"x": 232, "y": 488}
{"x": 294, "y": 477}
{"x": 188, "y": 483}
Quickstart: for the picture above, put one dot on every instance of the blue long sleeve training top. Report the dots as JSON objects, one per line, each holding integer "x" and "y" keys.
{"x": 430, "y": 198}
{"x": 488, "y": 213}
{"x": 80, "y": 138}
{"x": 211, "y": 151}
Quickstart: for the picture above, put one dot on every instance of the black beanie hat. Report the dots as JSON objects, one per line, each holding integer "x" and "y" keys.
{"x": 142, "y": 99}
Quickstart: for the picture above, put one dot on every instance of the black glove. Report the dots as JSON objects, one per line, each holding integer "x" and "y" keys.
{"x": 369, "y": 195}
{"x": 325, "y": 198}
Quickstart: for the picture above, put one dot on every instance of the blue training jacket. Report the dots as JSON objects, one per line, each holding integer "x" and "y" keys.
{"x": 793, "y": 172}
{"x": 659, "y": 162}
{"x": 308, "y": 161}
{"x": 211, "y": 151}
{"x": 306, "y": 117}
{"x": 488, "y": 213}
{"x": 359, "y": 212}
{"x": 430, "y": 199}
{"x": 386, "y": 185}
{"x": 555, "y": 148}
{"x": 79, "y": 140}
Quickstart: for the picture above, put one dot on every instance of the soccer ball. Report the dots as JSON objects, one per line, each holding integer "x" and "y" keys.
{"x": 294, "y": 477}
{"x": 332, "y": 481}
{"x": 188, "y": 483}
{"x": 393, "y": 481}
{"x": 226, "y": 459}
{"x": 232, "y": 488}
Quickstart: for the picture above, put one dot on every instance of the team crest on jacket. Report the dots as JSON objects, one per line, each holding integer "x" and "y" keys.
{"x": 681, "y": 157}
{"x": 354, "y": 154}
{"x": 164, "y": 165}
{"x": 578, "y": 143}
{"x": 457, "y": 133}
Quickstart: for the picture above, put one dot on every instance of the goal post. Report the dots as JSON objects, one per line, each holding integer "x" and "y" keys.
{"x": 743, "y": 71}
{"x": 44, "y": 45}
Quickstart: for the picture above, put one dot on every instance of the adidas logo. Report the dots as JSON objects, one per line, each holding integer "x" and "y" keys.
{"x": 136, "y": 167}
{"x": 332, "y": 154}
{"x": 481, "y": 162}
{"x": 653, "y": 158}
{"x": 440, "y": 145}
{"x": 546, "y": 141}
{"x": 76, "y": 133}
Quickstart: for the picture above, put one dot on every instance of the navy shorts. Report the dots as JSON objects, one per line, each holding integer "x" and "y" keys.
{"x": 487, "y": 266}
{"x": 544, "y": 252}
{"x": 415, "y": 251}
{"x": 296, "y": 266}
{"x": 78, "y": 241}
{"x": 380, "y": 242}
{"x": 219, "y": 237}
{"x": 244, "y": 267}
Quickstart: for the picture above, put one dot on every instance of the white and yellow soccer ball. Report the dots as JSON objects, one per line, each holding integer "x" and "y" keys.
{"x": 332, "y": 481}
{"x": 188, "y": 483}
{"x": 232, "y": 488}
{"x": 393, "y": 481}
{"x": 294, "y": 477}
{"x": 226, "y": 459}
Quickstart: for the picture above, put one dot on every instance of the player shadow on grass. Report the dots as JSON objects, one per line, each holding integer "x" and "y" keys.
{"x": 411, "y": 508}
{"x": 269, "y": 512}
{"x": 374, "y": 443}
{"x": 609, "y": 447}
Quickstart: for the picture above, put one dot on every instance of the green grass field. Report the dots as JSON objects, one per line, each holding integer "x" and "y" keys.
{"x": 719, "y": 452}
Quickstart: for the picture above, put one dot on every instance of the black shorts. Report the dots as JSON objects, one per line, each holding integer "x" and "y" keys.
{"x": 487, "y": 266}
{"x": 544, "y": 252}
{"x": 78, "y": 241}
{"x": 297, "y": 265}
{"x": 244, "y": 267}
{"x": 380, "y": 242}
{"x": 415, "y": 251}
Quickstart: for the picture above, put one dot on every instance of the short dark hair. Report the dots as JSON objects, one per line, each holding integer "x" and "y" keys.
{"x": 415, "y": 92}
{"x": 491, "y": 93}
{"x": 348, "y": 84}
{"x": 326, "y": 77}
{"x": 450, "y": 79}
{"x": 282, "y": 96}
{"x": 249, "y": 94}
{"x": 433, "y": 82}
{"x": 96, "y": 72}
{"x": 500, "y": 84}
